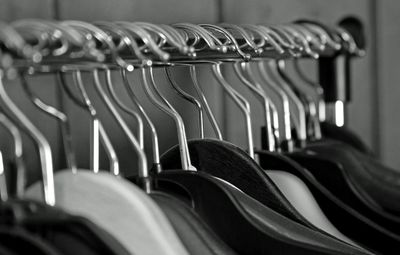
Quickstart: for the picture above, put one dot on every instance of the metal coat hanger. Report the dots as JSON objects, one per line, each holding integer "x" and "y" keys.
{"x": 147, "y": 39}
{"x": 151, "y": 91}
{"x": 239, "y": 100}
{"x": 188, "y": 98}
{"x": 214, "y": 44}
{"x": 300, "y": 124}
{"x": 165, "y": 106}
{"x": 325, "y": 39}
{"x": 184, "y": 50}
{"x": 45, "y": 154}
{"x": 168, "y": 34}
{"x": 271, "y": 142}
{"x": 143, "y": 167}
{"x": 130, "y": 41}
{"x": 126, "y": 38}
{"x": 240, "y": 68}
{"x": 195, "y": 30}
{"x": 305, "y": 38}
{"x": 16, "y": 135}
{"x": 3, "y": 180}
{"x": 154, "y": 135}
{"x": 204, "y": 102}
{"x": 200, "y": 33}
{"x": 174, "y": 177}
{"x": 267, "y": 81}
{"x": 98, "y": 133}
{"x": 280, "y": 45}
{"x": 313, "y": 128}
{"x": 59, "y": 116}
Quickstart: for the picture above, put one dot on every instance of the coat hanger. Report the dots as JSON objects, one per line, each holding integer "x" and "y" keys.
{"x": 197, "y": 237}
{"x": 154, "y": 136}
{"x": 214, "y": 169}
{"x": 299, "y": 123}
{"x": 270, "y": 113}
{"x": 162, "y": 176}
{"x": 196, "y": 31}
{"x": 16, "y": 135}
{"x": 284, "y": 178}
{"x": 188, "y": 98}
{"x": 43, "y": 146}
{"x": 119, "y": 103}
{"x": 361, "y": 200}
{"x": 217, "y": 169}
{"x": 266, "y": 162}
{"x": 280, "y": 46}
{"x": 310, "y": 108}
{"x": 3, "y": 180}
{"x": 20, "y": 213}
{"x": 133, "y": 203}
{"x": 272, "y": 140}
{"x": 327, "y": 128}
{"x": 183, "y": 181}
{"x": 307, "y": 41}
{"x": 53, "y": 112}
{"x": 367, "y": 200}
{"x": 97, "y": 130}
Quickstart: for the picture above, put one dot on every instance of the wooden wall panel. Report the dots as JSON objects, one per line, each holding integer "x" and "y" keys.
{"x": 22, "y": 9}
{"x": 388, "y": 39}
{"x": 168, "y": 11}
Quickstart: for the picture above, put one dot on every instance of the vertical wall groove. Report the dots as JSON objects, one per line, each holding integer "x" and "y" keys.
{"x": 223, "y": 99}
{"x": 373, "y": 49}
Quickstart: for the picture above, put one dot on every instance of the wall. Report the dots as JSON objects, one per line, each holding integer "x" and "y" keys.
{"x": 388, "y": 77}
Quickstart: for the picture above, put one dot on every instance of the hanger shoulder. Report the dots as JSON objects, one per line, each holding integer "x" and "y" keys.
{"x": 118, "y": 207}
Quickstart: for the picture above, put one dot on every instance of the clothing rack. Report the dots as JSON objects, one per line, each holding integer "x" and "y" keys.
{"x": 301, "y": 192}
{"x": 205, "y": 54}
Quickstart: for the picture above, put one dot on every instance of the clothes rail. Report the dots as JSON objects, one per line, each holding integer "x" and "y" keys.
{"x": 71, "y": 42}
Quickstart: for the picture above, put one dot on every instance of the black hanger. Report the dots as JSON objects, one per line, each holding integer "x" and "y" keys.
{"x": 230, "y": 163}
{"x": 197, "y": 237}
{"x": 6, "y": 251}
{"x": 361, "y": 181}
{"x": 18, "y": 241}
{"x": 329, "y": 172}
{"x": 54, "y": 227}
{"x": 377, "y": 184}
{"x": 191, "y": 229}
{"x": 209, "y": 196}
{"x": 344, "y": 135}
{"x": 349, "y": 221}
{"x": 371, "y": 183}
{"x": 244, "y": 223}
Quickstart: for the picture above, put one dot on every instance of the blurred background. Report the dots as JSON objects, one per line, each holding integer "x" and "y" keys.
{"x": 373, "y": 112}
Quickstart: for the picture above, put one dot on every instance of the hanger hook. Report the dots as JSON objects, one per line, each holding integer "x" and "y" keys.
{"x": 46, "y": 158}
{"x": 188, "y": 98}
